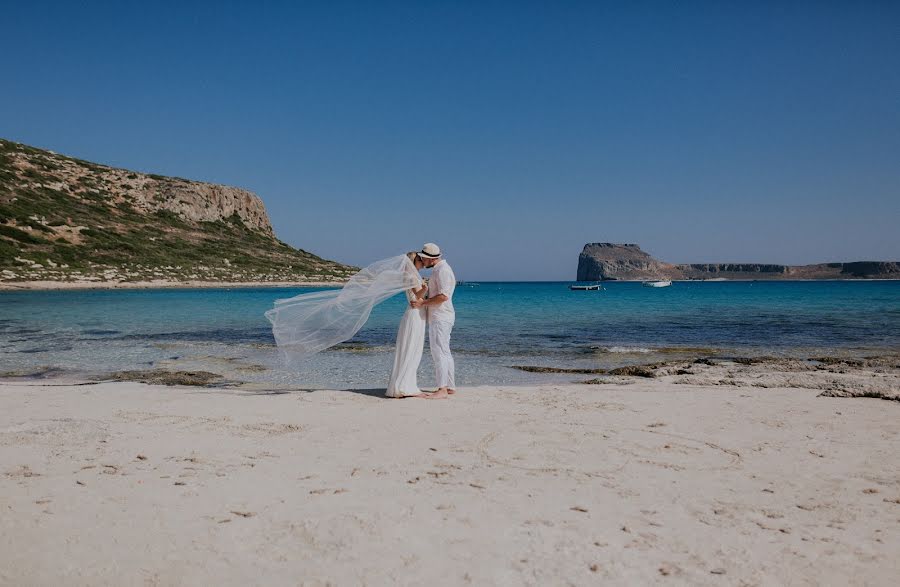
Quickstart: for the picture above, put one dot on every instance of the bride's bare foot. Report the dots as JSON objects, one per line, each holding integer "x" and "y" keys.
{"x": 451, "y": 391}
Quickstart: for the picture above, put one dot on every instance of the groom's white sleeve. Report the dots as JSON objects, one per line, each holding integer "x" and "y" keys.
{"x": 447, "y": 284}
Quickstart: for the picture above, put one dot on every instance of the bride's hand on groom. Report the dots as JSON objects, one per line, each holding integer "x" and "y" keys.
{"x": 417, "y": 303}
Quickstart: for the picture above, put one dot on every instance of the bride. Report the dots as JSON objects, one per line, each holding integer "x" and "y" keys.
{"x": 312, "y": 322}
{"x": 410, "y": 341}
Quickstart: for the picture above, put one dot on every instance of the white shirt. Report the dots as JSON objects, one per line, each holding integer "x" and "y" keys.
{"x": 442, "y": 282}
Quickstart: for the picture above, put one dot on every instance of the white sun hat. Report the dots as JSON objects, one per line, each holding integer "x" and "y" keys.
{"x": 430, "y": 251}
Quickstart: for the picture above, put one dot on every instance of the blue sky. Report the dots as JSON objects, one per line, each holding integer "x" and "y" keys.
{"x": 511, "y": 133}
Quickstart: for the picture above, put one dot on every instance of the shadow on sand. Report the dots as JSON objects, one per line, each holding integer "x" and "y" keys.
{"x": 378, "y": 392}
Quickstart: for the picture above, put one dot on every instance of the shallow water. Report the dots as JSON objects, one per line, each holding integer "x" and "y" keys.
{"x": 498, "y": 325}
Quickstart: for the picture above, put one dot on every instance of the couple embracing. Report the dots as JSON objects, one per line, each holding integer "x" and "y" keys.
{"x": 309, "y": 323}
{"x": 430, "y": 304}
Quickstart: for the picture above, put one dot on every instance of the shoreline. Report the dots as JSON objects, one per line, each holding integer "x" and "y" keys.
{"x": 742, "y": 280}
{"x": 116, "y": 483}
{"x": 866, "y": 375}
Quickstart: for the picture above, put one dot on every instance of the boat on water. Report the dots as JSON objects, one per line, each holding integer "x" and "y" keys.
{"x": 661, "y": 283}
{"x": 591, "y": 287}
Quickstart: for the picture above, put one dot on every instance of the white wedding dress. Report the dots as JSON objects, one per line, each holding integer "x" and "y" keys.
{"x": 312, "y": 322}
{"x": 410, "y": 343}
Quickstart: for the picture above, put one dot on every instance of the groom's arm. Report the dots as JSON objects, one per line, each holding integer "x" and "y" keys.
{"x": 436, "y": 300}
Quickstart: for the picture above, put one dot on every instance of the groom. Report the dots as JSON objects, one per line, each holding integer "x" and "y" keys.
{"x": 441, "y": 316}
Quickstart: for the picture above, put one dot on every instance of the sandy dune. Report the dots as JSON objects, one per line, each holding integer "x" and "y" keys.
{"x": 129, "y": 484}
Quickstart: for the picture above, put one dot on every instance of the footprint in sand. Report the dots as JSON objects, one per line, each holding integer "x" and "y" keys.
{"x": 22, "y": 472}
{"x": 265, "y": 429}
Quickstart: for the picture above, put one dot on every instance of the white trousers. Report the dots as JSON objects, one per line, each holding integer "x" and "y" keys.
{"x": 439, "y": 339}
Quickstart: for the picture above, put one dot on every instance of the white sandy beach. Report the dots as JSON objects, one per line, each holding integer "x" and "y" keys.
{"x": 129, "y": 484}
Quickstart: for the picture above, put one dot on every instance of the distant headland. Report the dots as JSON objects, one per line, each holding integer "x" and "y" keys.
{"x": 627, "y": 262}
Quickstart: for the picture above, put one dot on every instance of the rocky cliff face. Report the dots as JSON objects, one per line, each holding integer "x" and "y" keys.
{"x": 599, "y": 261}
{"x": 882, "y": 269}
{"x": 704, "y": 268}
{"x": 67, "y": 219}
{"x": 199, "y": 202}
{"x": 604, "y": 261}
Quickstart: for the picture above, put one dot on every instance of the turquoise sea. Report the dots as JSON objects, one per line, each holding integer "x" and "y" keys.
{"x": 498, "y": 325}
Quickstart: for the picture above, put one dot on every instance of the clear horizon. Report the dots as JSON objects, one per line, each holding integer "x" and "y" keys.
{"x": 509, "y": 134}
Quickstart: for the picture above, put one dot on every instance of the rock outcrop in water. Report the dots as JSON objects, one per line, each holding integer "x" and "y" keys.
{"x": 64, "y": 219}
{"x": 612, "y": 261}
{"x": 874, "y": 376}
{"x": 608, "y": 261}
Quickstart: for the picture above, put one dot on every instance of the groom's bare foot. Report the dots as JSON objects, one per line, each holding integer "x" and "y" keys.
{"x": 451, "y": 391}
{"x": 439, "y": 394}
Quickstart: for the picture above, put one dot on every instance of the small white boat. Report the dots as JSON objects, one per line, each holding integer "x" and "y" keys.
{"x": 665, "y": 283}
{"x": 593, "y": 287}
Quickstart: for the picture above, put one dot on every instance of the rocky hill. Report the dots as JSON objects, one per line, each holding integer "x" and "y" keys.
{"x": 64, "y": 219}
{"x": 606, "y": 261}
{"x": 618, "y": 261}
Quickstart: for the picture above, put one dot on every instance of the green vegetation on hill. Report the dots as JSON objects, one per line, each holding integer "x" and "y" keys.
{"x": 66, "y": 219}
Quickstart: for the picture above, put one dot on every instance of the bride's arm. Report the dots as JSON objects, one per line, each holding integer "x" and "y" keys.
{"x": 420, "y": 293}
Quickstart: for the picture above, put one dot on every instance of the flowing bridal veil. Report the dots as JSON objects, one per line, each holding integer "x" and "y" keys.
{"x": 312, "y": 322}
